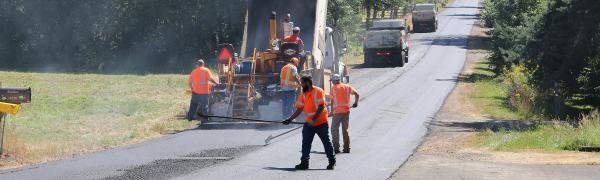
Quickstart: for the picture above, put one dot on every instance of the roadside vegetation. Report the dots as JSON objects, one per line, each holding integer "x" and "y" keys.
{"x": 544, "y": 67}
{"x": 550, "y": 136}
{"x": 491, "y": 94}
{"x": 77, "y": 113}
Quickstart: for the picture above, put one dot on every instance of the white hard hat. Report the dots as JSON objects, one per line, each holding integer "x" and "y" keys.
{"x": 296, "y": 28}
{"x": 335, "y": 77}
{"x": 200, "y": 61}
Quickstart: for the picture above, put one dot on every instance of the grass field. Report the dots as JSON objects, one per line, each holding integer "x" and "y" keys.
{"x": 72, "y": 114}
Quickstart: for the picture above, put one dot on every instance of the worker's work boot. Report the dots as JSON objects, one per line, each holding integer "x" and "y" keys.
{"x": 346, "y": 151}
{"x": 331, "y": 165}
{"x": 336, "y": 151}
{"x": 303, "y": 165}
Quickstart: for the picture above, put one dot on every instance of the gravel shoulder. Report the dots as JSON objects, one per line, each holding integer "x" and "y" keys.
{"x": 449, "y": 151}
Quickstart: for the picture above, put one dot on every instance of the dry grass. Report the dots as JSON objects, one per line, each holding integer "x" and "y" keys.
{"x": 72, "y": 114}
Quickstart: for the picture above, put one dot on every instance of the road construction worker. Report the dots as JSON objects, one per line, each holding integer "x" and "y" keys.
{"x": 199, "y": 81}
{"x": 295, "y": 38}
{"x": 340, "y": 102}
{"x": 312, "y": 102}
{"x": 290, "y": 82}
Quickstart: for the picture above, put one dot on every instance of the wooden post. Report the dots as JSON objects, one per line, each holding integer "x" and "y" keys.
{"x": 2, "y": 124}
{"x": 2, "y": 133}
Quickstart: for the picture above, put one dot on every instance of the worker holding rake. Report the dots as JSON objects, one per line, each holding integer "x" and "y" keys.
{"x": 312, "y": 102}
{"x": 199, "y": 81}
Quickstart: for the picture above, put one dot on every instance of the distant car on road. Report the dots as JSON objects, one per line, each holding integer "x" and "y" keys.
{"x": 424, "y": 18}
{"x": 385, "y": 41}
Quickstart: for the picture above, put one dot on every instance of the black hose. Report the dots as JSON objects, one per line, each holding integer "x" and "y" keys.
{"x": 245, "y": 119}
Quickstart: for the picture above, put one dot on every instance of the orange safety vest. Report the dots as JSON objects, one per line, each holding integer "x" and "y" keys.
{"x": 309, "y": 102}
{"x": 287, "y": 76}
{"x": 291, "y": 38}
{"x": 199, "y": 78}
{"x": 340, "y": 98}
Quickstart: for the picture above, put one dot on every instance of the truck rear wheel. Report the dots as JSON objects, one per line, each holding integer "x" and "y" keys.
{"x": 368, "y": 59}
{"x": 405, "y": 56}
{"x": 402, "y": 60}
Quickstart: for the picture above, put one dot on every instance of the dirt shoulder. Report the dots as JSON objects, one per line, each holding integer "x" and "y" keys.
{"x": 450, "y": 150}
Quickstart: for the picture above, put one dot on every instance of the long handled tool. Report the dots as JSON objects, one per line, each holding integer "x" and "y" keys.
{"x": 245, "y": 119}
{"x": 271, "y": 137}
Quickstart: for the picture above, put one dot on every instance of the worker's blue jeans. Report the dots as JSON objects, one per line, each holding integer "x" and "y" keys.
{"x": 308, "y": 134}
{"x": 289, "y": 98}
{"x": 198, "y": 101}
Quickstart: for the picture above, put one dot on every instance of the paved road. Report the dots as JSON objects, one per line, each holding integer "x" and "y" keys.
{"x": 390, "y": 122}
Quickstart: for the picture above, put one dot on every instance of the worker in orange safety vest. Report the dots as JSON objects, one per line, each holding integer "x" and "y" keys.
{"x": 295, "y": 38}
{"x": 312, "y": 102}
{"x": 199, "y": 81}
{"x": 340, "y": 102}
{"x": 290, "y": 82}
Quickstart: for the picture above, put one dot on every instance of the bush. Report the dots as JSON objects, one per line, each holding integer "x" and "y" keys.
{"x": 520, "y": 95}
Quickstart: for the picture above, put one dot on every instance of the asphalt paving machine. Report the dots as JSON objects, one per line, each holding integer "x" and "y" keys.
{"x": 252, "y": 83}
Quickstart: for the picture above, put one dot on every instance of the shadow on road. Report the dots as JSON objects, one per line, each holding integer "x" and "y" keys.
{"x": 242, "y": 125}
{"x": 292, "y": 169}
{"x": 465, "y": 7}
{"x": 377, "y": 65}
{"x": 493, "y": 125}
{"x": 314, "y": 152}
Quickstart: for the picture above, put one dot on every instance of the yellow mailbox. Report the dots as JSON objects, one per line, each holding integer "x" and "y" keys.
{"x": 9, "y": 108}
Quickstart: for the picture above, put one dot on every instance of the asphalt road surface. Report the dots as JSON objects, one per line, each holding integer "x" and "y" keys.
{"x": 390, "y": 122}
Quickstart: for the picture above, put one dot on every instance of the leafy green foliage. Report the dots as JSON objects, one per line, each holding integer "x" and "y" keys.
{"x": 556, "y": 40}
{"x": 344, "y": 16}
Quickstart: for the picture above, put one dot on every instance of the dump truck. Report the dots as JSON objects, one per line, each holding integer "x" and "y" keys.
{"x": 262, "y": 54}
{"x": 385, "y": 41}
{"x": 424, "y": 17}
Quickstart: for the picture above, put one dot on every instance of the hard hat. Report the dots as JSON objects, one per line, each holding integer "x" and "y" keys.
{"x": 200, "y": 61}
{"x": 335, "y": 77}
{"x": 296, "y": 29}
{"x": 295, "y": 60}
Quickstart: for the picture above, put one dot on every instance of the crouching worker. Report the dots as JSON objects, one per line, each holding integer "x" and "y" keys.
{"x": 312, "y": 102}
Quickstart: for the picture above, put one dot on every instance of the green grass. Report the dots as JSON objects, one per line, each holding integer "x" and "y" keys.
{"x": 546, "y": 137}
{"x": 490, "y": 93}
{"x": 71, "y": 114}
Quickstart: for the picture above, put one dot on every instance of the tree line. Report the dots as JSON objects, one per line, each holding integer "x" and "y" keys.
{"x": 139, "y": 36}
{"x": 114, "y": 36}
{"x": 553, "y": 44}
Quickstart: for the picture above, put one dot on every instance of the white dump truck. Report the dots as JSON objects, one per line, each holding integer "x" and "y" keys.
{"x": 424, "y": 18}
{"x": 385, "y": 41}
